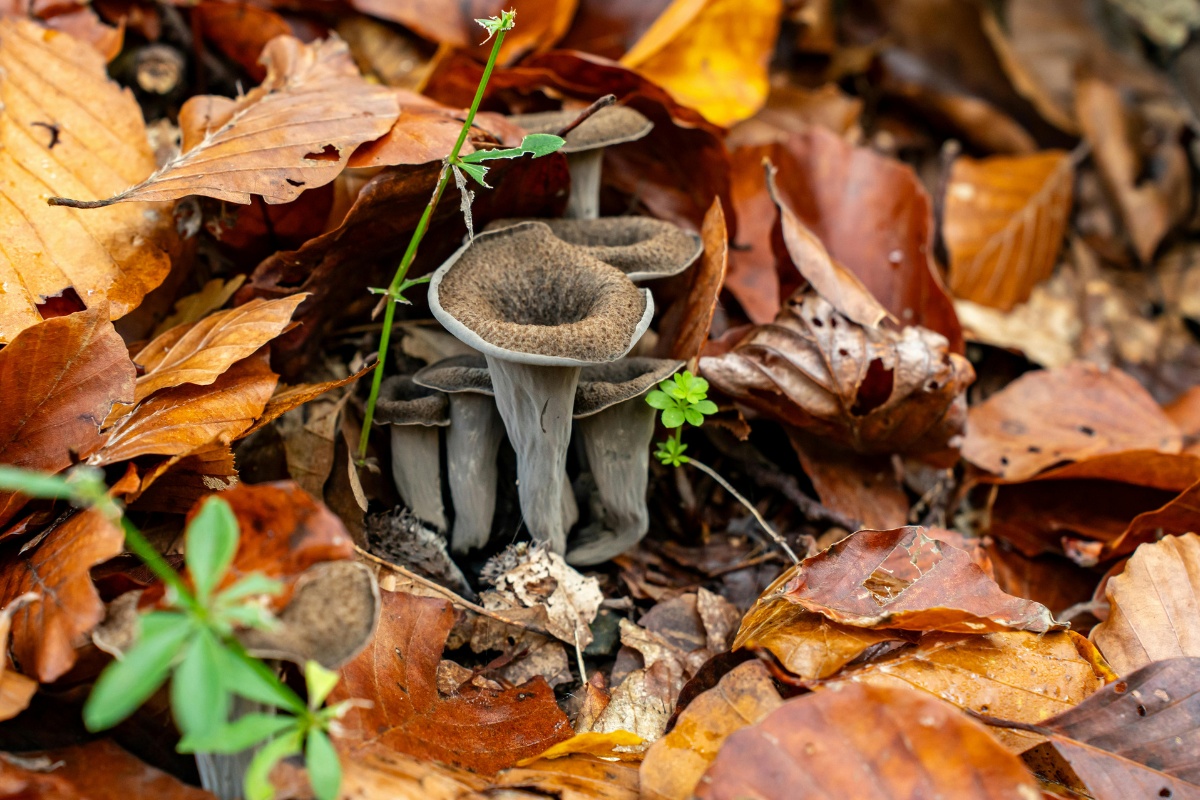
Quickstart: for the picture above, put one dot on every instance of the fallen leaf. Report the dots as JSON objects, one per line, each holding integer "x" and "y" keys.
{"x": 792, "y": 108}
{"x": 240, "y": 30}
{"x": 16, "y": 690}
{"x": 287, "y": 398}
{"x": 291, "y": 133}
{"x": 393, "y": 56}
{"x": 1047, "y": 328}
{"x": 525, "y": 577}
{"x": 1136, "y": 737}
{"x": 68, "y": 129}
{"x": 98, "y": 770}
{"x": 1026, "y": 427}
{"x": 835, "y": 743}
{"x": 179, "y": 483}
{"x": 197, "y": 306}
{"x": 1153, "y": 609}
{"x": 44, "y": 634}
{"x": 79, "y": 20}
{"x": 1004, "y": 222}
{"x": 1167, "y": 24}
{"x": 863, "y": 488}
{"x": 1017, "y": 675}
{"x": 1052, "y": 580}
{"x": 576, "y": 776}
{"x": 873, "y": 389}
{"x": 61, "y": 377}
{"x": 673, "y": 765}
{"x": 612, "y": 745}
{"x": 187, "y": 419}
{"x": 483, "y": 730}
{"x": 689, "y": 52}
{"x": 687, "y": 323}
{"x": 608, "y": 28}
{"x": 198, "y": 353}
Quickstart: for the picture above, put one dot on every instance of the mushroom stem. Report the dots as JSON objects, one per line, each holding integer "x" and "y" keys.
{"x": 472, "y": 444}
{"x": 617, "y": 442}
{"x": 535, "y": 403}
{"x": 584, "y": 202}
{"x": 417, "y": 471}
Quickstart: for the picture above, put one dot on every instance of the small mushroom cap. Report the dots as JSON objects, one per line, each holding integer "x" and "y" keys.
{"x": 404, "y": 402}
{"x": 643, "y": 248}
{"x": 610, "y": 125}
{"x": 457, "y": 374}
{"x": 522, "y": 294}
{"x": 604, "y": 385}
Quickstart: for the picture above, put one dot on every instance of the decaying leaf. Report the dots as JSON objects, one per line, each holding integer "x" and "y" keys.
{"x": 481, "y": 729}
{"x": 1004, "y": 223}
{"x": 873, "y": 389}
{"x": 98, "y": 770}
{"x": 905, "y": 580}
{"x": 838, "y": 742}
{"x": 525, "y": 577}
{"x": 291, "y": 133}
{"x": 44, "y": 633}
{"x": 1154, "y": 613}
{"x": 67, "y": 129}
{"x": 1026, "y": 427}
{"x": 674, "y": 764}
{"x": 685, "y": 328}
{"x": 16, "y": 690}
{"x": 195, "y": 307}
{"x": 60, "y": 379}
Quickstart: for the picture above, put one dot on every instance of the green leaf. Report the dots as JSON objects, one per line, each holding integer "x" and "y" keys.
{"x": 494, "y": 25}
{"x": 126, "y": 684}
{"x": 324, "y": 769}
{"x": 675, "y": 389}
{"x": 34, "y": 484}
{"x": 212, "y": 541}
{"x": 252, "y": 585}
{"x": 254, "y": 680}
{"x": 257, "y": 784}
{"x": 247, "y": 616}
{"x": 319, "y": 681}
{"x": 693, "y": 416}
{"x": 706, "y": 407}
{"x": 660, "y": 400}
{"x": 198, "y": 696}
{"x": 673, "y": 417}
{"x": 537, "y": 144}
{"x": 242, "y": 733}
{"x": 475, "y": 171}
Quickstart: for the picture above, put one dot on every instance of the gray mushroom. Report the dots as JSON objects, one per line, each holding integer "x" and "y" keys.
{"x": 539, "y": 310}
{"x": 643, "y": 248}
{"x": 616, "y": 425}
{"x": 472, "y": 444}
{"x": 585, "y": 147}
{"x": 414, "y": 413}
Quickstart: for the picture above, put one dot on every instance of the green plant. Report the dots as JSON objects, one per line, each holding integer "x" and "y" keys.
{"x": 191, "y": 641}
{"x": 683, "y": 398}
{"x": 538, "y": 144}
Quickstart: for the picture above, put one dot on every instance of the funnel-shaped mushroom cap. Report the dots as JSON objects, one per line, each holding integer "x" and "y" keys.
{"x": 457, "y": 374}
{"x": 609, "y": 125}
{"x": 404, "y": 402}
{"x": 642, "y": 247}
{"x": 523, "y": 295}
{"x": 605, "y": 385}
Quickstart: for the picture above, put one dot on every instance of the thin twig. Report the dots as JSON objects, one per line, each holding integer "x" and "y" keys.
{"x": 779, "y": 540}
{"x": 607, "y": 100}
{"x": 812, "y": 509}
{"x": 450, "y": 595}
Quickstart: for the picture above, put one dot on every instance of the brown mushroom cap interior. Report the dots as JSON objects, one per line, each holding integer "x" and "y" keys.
{"x": 609, "y": 125}
{"x": 528, "y": 296}
{"x": 641, "y": 247}
{"x": 403, "y": 402}
{"x": 457, "y": 374}
{"x": 604, "y": 385}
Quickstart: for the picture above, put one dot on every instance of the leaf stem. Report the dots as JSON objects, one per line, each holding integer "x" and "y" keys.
{"x": 779, "y": 540}
{"x": 391, "y": 298}
{"x": 150, "y": 556}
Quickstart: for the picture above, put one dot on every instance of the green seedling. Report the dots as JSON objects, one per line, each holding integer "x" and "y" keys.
{"x": 190, "y": 640}
{"x": 460, "y": 167}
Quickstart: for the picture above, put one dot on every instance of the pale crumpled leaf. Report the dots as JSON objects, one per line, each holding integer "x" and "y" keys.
{"x": 527, "y": 577}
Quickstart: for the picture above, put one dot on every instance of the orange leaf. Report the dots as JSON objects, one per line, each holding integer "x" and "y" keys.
{"x": 94, "y": 771}
{"x": 60, "y": 379}
{"x": 1004, "y": 222}
{"x": 685, "y": 327}
{"x": 67, "y": 129}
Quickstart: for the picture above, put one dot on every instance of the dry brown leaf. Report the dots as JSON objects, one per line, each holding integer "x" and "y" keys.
{"x": 884, "y": 743}
{"x": 179, "y": 483}
{"x": 240, "y": 30}
{"x": 287, "y": 398}
{"x": 1003, "y": 223}
{"x": 865, "y": 489}
{"x": 60, "y": 379}
{"x": 195, "y": 307}
{"x": 1068, "y": 414}
{"x": 873, "y": 389}
{"x": 674, "y": 763}
{"x": 88, "y": 143}
{"x": 44, "y": 633}
{"x": 1154, "y": 613}
{"x": 686, "y": 325}
{"x": 187, "y": 419}
{"x": 200, "y": 352}
{"x": 16, "y": 690}
{"x": 293, "y": 132}
{"x": 1020, "y": 676}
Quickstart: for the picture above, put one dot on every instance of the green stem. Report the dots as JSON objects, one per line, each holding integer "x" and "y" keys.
{"x": 266, "y": 673}
{"x": 389, "y": 313}
{"x": 150, "y": 556}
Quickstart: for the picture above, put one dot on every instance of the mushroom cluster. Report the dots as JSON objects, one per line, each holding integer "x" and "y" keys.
{"x": 552, "y": 307}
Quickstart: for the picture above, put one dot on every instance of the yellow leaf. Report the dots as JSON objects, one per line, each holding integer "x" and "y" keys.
{"x": 597, "y": 744}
